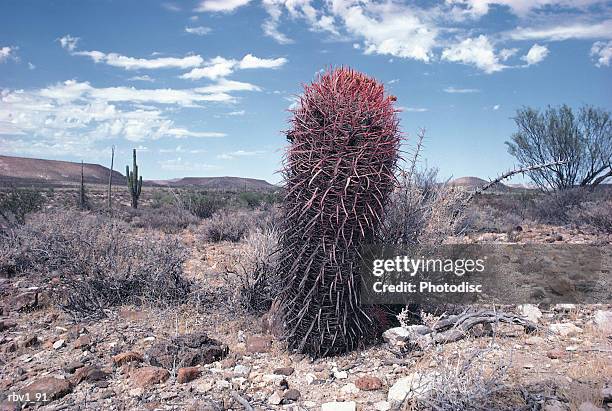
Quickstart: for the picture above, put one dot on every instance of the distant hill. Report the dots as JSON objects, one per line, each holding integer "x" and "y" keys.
{"x": 219, "y": 183}
{"x": 471, "y": 183}
{"x": 21, "y": 169}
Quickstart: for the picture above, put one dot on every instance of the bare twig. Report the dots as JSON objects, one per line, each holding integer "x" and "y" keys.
{"x": 510, "y": 173}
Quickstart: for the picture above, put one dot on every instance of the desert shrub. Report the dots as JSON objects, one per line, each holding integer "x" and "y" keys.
{"x": 423, "y": 210}
{"x": 16, "y": 203}
{"x": 484, "y": 218}
{"x": 594, "y": 214}
{"x": 555, "y": 207}
{"x": 166, "y": 218}
{"x": 201, "y": 203}
{"x": 469, "y": 380}
{"x": 228, "y": 225}
{"x": 98, "y": 260}
{"x": 258, "y": 270}
{"x": 582, "y": 138}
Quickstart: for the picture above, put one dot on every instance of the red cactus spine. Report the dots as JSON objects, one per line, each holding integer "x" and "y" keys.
{"x": 339, "y": 172}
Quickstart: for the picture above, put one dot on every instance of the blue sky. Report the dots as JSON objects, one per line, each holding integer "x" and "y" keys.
{"x": 202, "y": 88}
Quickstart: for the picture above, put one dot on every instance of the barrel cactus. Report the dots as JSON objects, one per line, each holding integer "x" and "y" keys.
{"x": 339, "y": 172}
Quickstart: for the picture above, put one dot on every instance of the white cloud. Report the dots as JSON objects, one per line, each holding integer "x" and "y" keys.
{"x": 68, "y": 42}
{"x": 505, "y": 54}
{"x": 239, "y": 153}
{"x": 478, "y": 8}
{"x": 132, "y": 63}
{"x": 227, "y": 86}
{"x": 249, "y": 61}
{"x": 236, "y": 113}
{"x": 31, "y": 66}
{"x": 224, "y": 6}
{"x": 602, "y": 52}
{"x": 178, "y": 164}
{"x": 213, "y": 69}
{"x": 220, "y": 67}
{"x": 477, "y": 51}
{"x": 200, "y": 30}
{"x": 535, "y": 54}
{"x": 388, "y": 28}
{"x": 142, "y": 78}
{"x": 171, "y": 7}
{"x": 564, "y": 32}
{"x": 6, "y": 53}
{"x": 496, "y": 107}
{"x": 75, "y": 117}
{"x": 455, "y": 90}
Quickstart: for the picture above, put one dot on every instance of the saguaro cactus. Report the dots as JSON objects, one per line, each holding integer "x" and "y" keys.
{"x": 134, "y": 181}
{"x": 339, "y": 172}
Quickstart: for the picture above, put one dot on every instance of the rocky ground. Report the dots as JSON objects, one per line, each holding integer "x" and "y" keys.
{"x": 209, "y": 355}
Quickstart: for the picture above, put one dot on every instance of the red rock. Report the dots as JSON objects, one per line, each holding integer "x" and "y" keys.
{"x": 368, "y": 383}
{"x": 89, "y": 374}
{"x": 258, "y": 344}
{"x": 286, "y": 371}
{"x": 292, "y": 395}
{"x": 146, "y": 376}
{"x": 46, "y": 389}
{"x": 187, "y": 374}
{"x": 23, "y": 301}
{"x": 127, "y": 357}
{"x": 555, "y": 354}
{"x": 83, "y": 342}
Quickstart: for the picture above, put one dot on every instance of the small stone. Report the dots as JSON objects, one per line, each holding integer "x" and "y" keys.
{"x": 528, "y": 366}
{"x": 242, "y": 370}
{"x": 136, "y": 392}
{"x": 286, "y": 371}
{"x": 127, "y": 357}
{"x": 292, "y": 395}
{"x": 571, "y": 348}
{"x": 89, "y": 374}
{"x": 555, "y": 354}
{"x": 339, "y": 406}
{"x": 258, "y": 344}
{"x": 589, "y": 406}
{"x": 603, "y": 320}
{"x": 48, "y": 388}
{"x": 187, "y": 374}
{"x": 413, "y": 386}
{"x": 382, "y": 406}
{"x": 203, "y": 386}
{"x": 275, "y": 399}
{"x": 530, "y": 311}
{"x": 341, "y": 375}
{"x": 83, "y": 342}
{"x": 368, "y": 383}
{"x": 222, "y": 384}
{"x": 147, "y": 376}
{"x": 565, "y": 329}
{"x": 73, "y": 366}
{"x": 58, "y": 344}
{"x": 349, "y": 388}
{"x": 534, "y": 340}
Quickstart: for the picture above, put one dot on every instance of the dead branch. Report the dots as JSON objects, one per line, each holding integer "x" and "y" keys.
{"x": 457, "y": 327}
{"x": 510, "y": 173}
